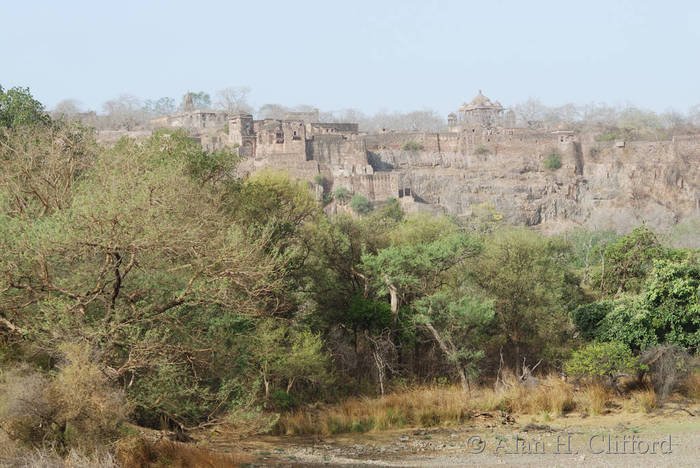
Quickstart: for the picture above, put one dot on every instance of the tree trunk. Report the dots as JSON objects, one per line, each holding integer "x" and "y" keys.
{"x": 394, "y": 295}
{"x": 449, "y": 352}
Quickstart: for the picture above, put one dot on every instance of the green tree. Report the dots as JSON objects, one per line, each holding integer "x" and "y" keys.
{"x": 666, "y": 312}
{"x": 286, "y": 356}
{"x": 159, "y": 107}
{"x": 142, "y": 260}
{"x": 625, "y": 263}
{"x": 459, "y": 327}
{"x": 19, "y": 108}
{"x": 527, "y": 277}
{"x": 411, "y": 274}
{"x": 200, "y": 100}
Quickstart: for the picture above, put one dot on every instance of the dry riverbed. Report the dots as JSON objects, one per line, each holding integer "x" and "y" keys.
{"x": 667, "y": 437}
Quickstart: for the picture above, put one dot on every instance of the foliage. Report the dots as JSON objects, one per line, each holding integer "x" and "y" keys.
{"x": 552, "y": 161}
{"x": 628, "y": 260}
{"x": 588, "y": 319}
{"x": 462, "y": 323}
{"x": 19, "y": 108}
{"x": 602, "y": 360}
{"x": 285, "y": 355}
{"x": 411, "y": 145}
{"x": 200, "y": 100}
{"x": 144, "y": 258}
{"x": 319, "y": 180}
{"x": 527, "y": 277}
{"x": 360, "y": 204}
{"x": 77, "y": 408}
{"x": 666, "y": 312}
{"x": 341, "y": 194}
{"x": 160, "y": 107}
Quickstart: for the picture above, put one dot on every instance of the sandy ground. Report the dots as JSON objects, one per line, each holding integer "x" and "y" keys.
{"x": 668, "y": 437}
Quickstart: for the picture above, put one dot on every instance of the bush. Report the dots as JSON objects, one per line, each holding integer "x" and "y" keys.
{"x": 411, "y": 145}
{"x": 360, "y": 204}
{"x": 668, "y": 368}
{"x": 283, "y": 401}
{"x": 589, "y": 318}
{"x": 552, "y": 161}
{"x": 481, "y": 150}
{"x": 603, "y": 360}
{"x": 75, "y": 409}
{"x": 341, "y": 194}
{"x": 319, "y": 179}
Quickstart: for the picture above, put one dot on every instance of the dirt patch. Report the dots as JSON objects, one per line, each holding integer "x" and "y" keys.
{"x": 668, "y": 437}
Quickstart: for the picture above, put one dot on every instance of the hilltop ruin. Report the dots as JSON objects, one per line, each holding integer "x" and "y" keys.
{"x": 483, "y": 158}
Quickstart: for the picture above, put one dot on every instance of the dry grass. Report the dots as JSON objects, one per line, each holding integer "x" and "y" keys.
{"x": 691, "y": 387}
{"x": 594, "y": 399}
{"x": 428, "y": 406}
{"x": 140, "y": 452}
{"x": 17, "y": 455}
{"x": 444, "y": 406}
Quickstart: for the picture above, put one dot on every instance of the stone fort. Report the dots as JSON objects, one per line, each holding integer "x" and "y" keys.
{"x": 483, "y": 158}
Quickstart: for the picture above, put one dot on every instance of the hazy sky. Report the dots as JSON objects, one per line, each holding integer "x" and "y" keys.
{"x": 371, "y": 55}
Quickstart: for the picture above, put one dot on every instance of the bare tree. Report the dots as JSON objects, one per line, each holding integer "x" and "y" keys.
{"x": 234, "y": 100}
{"x": 125, "y": 112}
{"x": 67, "y": 109}
{"x": 272, "y": 111}
{"x": 159, "y": 107}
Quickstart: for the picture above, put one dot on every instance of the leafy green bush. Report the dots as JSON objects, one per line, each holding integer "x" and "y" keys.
{"x": 411, "y": 145}
{"x": 283, "y": 400}
{"x": 319, "y": 179}
{"x": 552, "y": 161}
{"x": 667, "y": 311}
{"x": 598, "y": 360}
{"x": 360, "y": 204}
{"x": 341, "y": 194}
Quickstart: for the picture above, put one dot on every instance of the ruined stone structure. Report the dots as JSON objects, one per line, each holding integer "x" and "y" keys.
{"x": 480, "y": 113}
{"x": 483, "y": 159}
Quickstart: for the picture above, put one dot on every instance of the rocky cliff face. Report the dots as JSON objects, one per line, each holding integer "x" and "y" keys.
{"x": 599, "y": 185}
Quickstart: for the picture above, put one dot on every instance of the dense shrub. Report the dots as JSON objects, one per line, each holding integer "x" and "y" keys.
{"x": 603, "y": 361}
{"x": 341, "y": 194}
{"x": 588, "y": 318}
{"x": 552, "y": 161}
{"x": 411, "y": 145}
{"x": 78, "y": 408}
{"x": 360, "y": 204}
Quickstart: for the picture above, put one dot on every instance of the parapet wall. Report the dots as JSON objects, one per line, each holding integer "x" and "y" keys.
{"x": 336, "y": 150}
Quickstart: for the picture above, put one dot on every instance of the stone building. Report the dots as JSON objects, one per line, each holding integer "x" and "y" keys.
{"x": 480, "y": 113}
